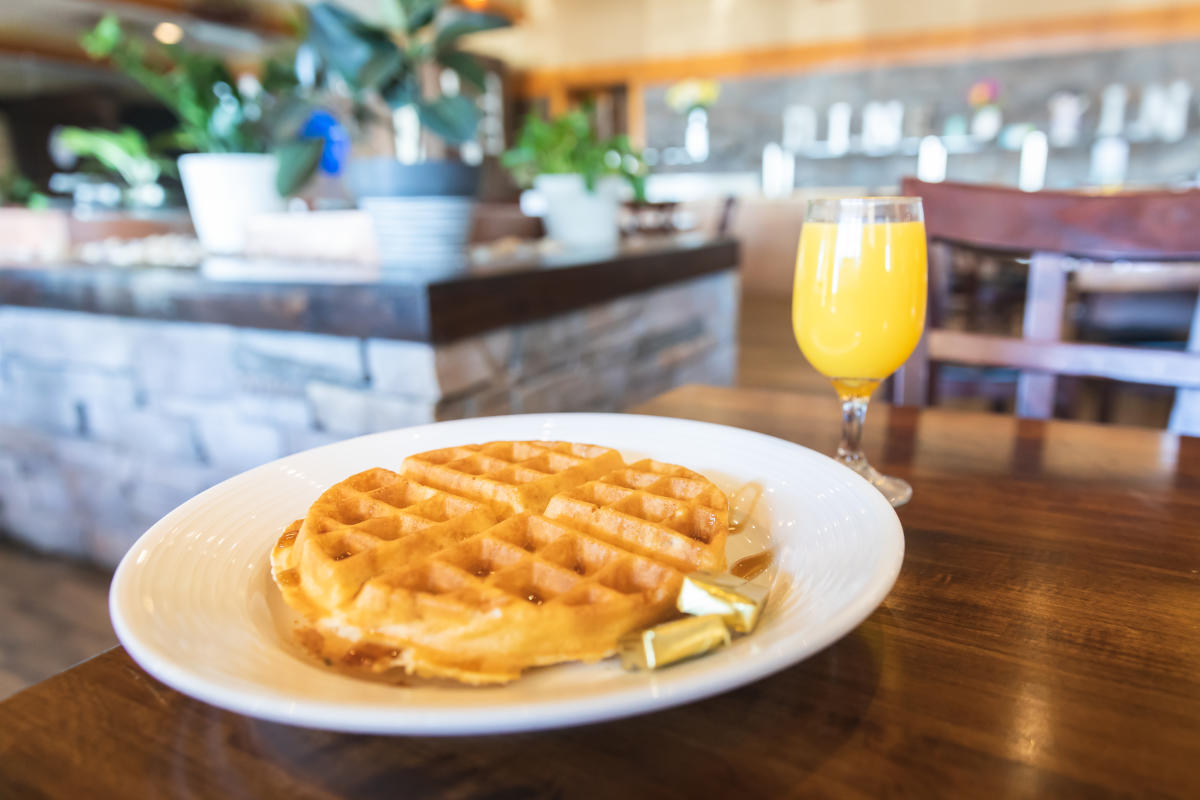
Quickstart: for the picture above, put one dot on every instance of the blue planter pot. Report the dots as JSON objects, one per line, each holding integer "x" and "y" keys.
{"x": 421, "y": 213}
{"x": 387, "y": 177}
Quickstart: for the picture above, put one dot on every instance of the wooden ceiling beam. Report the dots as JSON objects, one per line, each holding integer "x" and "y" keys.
{"x": 270, "y": 19}
{"x": 65, "y": 48}
{"x": 1079, "y": 32}
{"x": 14, "y": 43}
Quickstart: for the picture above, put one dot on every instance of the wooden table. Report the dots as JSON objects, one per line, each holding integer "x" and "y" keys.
{"x": 1043, "y": 640}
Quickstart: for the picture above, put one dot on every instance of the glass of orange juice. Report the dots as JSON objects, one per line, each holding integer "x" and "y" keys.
{"x": 858, "y": 306}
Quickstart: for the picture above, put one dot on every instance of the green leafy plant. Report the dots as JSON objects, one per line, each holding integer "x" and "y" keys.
{"x": 216, "y": 112}
{"x": 125, "y": 153}
{"x": 16, "y": 189}
{"x": 568, "y": 144}
{"x": 387, "y": 62}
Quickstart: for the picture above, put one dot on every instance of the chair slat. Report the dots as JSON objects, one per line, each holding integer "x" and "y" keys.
{"x": 1046, "y": 298}
{"x": 1135, "y": 276}
{"x": 1185, "y": 415}
{"x": 1137, "y": 365}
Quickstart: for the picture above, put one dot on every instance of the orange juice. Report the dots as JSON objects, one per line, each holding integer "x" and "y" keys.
{"x": 858, "y": 308}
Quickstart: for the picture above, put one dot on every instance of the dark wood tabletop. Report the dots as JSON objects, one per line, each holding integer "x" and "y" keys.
{"x": 390, "y": 302}
{"x": 1043, "y": 640}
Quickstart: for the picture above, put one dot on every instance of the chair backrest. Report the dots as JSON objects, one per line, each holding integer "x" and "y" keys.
{"x": 1061, "y": 233}
{"x": 1143, "y": 226}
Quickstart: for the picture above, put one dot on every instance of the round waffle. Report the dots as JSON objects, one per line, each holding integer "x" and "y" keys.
{"x": 477, "y": 562}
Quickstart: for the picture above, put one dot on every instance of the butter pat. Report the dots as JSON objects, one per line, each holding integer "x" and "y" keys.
{"x": 738, "y": 602}
{"x": 672, "y": 641}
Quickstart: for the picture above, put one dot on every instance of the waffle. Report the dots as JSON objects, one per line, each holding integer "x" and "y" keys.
{"x": 516, "y": 476}
{"x": 477, "y": 562}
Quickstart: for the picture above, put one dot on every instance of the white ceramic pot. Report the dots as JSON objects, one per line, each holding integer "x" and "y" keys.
{"x": 224, "y": 190}
{"x": 579, "y": 218}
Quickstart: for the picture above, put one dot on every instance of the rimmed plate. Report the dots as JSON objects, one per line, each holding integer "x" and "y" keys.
{"x": 193, "y": 602}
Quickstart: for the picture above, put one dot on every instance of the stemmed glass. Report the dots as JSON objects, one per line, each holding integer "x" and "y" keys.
{"x": 858, "y": 306}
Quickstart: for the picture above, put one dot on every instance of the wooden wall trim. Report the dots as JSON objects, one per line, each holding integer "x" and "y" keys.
{"x": 272, "y": 19}
{"x": 1018, "y": 38}
{"x": 60, "y": 50}
{"x": 505, "y": 8}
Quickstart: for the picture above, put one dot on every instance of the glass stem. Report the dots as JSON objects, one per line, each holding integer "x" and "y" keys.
{"x": 854, "y": 412}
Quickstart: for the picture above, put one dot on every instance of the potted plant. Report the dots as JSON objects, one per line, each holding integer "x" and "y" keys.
{"x": 581, "y": 176}
{"x": 18, "y": 190}
{"x": 243, "y": 151}
{"x": 125, "y": 154}
{"x": 419, "y": 209}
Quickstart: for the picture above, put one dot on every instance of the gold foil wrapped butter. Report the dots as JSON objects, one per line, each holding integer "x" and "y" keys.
{"x": 736, "y": 601}
{"x": 672, "y": 641}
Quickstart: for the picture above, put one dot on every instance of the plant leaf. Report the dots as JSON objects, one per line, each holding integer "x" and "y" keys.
{"x": 123, "y": 152}
{"x": 400, "y": 93}
{"x": 468, "y": 67}
{"x": 279, "y": 75}
{"x": 288, "y": 116}
{"x": 391, "y": 14}
{"x": 418, "y": 13}
{"x": 381, "y": 67}
{"x": 351, "y": 47}
{"x": 102, "y": 39}
{"x": 462, "y": 23}
{"x": 452, "y": 118}
{"x": 298, "y": 161}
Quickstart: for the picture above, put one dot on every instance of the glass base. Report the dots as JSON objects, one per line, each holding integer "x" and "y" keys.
{"x": 896, "y": 490}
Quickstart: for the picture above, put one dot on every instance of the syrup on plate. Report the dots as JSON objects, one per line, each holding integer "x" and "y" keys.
{"x": 751, "y": 567}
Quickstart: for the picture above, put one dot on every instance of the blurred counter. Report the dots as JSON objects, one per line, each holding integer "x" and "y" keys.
{"x": 125, "y": 391}
{"x": 366, "y": 300}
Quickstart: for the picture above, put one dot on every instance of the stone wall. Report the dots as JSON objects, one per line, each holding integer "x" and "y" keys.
{"x": 108, "y": 423}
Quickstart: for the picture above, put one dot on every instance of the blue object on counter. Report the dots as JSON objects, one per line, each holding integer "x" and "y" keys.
{"x": 323, "y": 125}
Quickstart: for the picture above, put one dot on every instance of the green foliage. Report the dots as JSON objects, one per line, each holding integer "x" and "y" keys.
{"x": 357, "y": 51}
{"x": 466, "y": 65}
{"x": 414, "y": 15}
{"x": 198, "y": 88}
{"x": 463, "y": 23}
{"x": 214, "y": 113}
{"x": 386, "y": 62}
{"x": 125, "y": 152}
{"x": 452, "y": 118}
{"x": 298, "y": 160}
{"x": 16, "y": 189}
{"x": 568, "y": 144}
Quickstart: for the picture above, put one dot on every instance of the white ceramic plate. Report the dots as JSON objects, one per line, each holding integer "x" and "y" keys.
{"x": 193, "y": 601}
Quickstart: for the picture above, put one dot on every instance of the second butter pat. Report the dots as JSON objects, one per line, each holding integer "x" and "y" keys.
{"x": 737, "y": 601}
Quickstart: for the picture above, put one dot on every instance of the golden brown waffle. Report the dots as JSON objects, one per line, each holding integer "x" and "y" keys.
{"x": 518, "y": 476}
{"x": 451, "y": 569}
{"x": 660, "y": 510}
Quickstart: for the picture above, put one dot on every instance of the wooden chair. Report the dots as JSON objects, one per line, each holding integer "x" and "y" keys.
{"x": 1123, "y": 242}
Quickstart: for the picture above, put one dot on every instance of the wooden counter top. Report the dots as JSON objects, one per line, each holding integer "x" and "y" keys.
{"x": 345, "y": 300}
